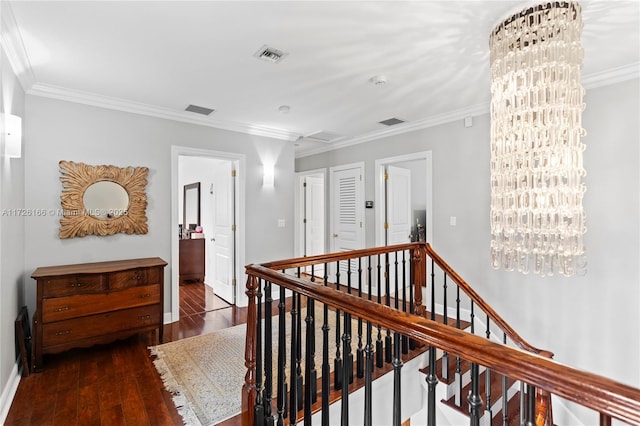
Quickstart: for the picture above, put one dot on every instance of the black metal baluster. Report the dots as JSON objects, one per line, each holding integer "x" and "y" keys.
{"x": 258, "y": 411}
{"x": 325, "y": 357}
{"x": 346, "y": 370}
{"x": 397, "y": 366}
{"x": 388, "y": 342}
{"x": 368, "y": 350}
{"x": 445, "y": 355}
{"x": 299, "y": 381}
{"x": 505, "y": 392}
{"x": 310, "y": 376}
{"x": 359, "y": 351}
{"x": 314, "y": 372}
{"x": 531, "y": 406}
{"x": 522, "y": 404}
{"x": 488, "y": 411}
{"x": 412, "y": 343}
{"x": 458, "y": 375}
{"x": 405, "y": 339}
{"x": 432, "y": 381}
{"x": 282, "y": 352}
{"x": 337, "y": 362}
{"x": 347, "y": 356}
{"x": 475, "y": 401}
{"x": 379, "y": 347}
{"x": 293, "y": 394}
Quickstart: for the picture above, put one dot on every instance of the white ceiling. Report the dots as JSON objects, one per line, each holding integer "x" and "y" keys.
{"x": 157, "y": 57}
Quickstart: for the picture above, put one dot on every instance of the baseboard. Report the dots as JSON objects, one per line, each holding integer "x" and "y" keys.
{"x": 9, "y": 392}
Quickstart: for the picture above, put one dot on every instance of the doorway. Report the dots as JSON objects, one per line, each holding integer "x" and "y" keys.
{"x": 221, "y": 179}
{"x": 310, "y": 224}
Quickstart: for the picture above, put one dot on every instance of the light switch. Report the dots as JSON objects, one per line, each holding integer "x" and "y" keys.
{"x": 452, "y": 221}
{"x": 280, "y": 223}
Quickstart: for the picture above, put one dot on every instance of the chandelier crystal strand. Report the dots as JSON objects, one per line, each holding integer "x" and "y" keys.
{"x": 537, "y": 218}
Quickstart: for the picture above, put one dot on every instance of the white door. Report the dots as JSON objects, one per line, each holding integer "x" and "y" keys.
{"x": 314, "y": 215}
{"x": 398, "y": 216}
{"x": 398, "y": 205}
{"x": 347, "y": 213}
{"x": 223, "y": 244}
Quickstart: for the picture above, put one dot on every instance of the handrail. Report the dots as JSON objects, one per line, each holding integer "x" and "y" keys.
{"x": 497, "y": 319}
{"x": 426, "y": 247}
{"x": 587, "y": 389}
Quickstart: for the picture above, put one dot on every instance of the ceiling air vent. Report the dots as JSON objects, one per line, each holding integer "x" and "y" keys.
{"x": 324, "y": 136}
{"x": 199, "y": 110}
{"x": 391, "y": 121}
{"x": 270, "y": 54}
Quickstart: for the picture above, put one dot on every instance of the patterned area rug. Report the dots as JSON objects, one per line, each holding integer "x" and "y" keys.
{"x": 206, "y": 373}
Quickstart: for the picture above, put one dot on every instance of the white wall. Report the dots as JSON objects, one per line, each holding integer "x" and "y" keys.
{"x": 590, "y": 322}
{"x": 59, "y": 130}
{"x": 12, "y": 225}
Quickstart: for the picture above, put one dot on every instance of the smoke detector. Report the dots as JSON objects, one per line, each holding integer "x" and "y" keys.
{"x": 378, "y": 79}
{"x": 270, "y": 54}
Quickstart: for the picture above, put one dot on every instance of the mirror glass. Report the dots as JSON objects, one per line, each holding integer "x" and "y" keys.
{"x": 191, "y": 208}
{"x": 105, "y": 200}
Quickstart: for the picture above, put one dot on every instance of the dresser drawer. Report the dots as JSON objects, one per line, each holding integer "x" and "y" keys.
{"x": 62, "y": 308}
{"x": 73, "y": 284}
{"x": 125, "y": 279}
{"x": 62, "y": 332}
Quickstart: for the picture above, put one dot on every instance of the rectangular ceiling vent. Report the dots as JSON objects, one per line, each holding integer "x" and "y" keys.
{"x": 199, "y": 110}
{"x": 324, "y": 136}
{"x": 270, "y": 54}
{"x": 391, "y": 121}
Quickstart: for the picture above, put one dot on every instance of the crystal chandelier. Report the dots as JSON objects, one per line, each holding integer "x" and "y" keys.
{"x": 537, "y": 219}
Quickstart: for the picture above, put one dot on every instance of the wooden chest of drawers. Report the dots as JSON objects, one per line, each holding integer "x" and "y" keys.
{"x": 85, "y": 304}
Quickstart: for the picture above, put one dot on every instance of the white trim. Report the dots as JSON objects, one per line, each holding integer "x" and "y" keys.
{"x": 612, "y": 76}
{"x": 94, "y": 99}
{"x": 13, "y": 46}
{"x": 379, "y": 191}
{"x": 591, "y": 81}
{"x": 447, "y": 117}
{"x": 240, "y": 159}
{"x": 299, "y": 208}
{"x": 9, "y": 392}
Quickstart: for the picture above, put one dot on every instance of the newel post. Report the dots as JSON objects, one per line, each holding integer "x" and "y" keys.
{"x": 249, "y": 387}
{"x": 419, "y": 260}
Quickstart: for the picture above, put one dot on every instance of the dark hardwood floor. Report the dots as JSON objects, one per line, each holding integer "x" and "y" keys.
{"x": 116, "y": 384}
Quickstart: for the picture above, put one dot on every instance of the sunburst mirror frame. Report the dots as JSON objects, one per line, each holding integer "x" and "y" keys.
{"x": 77, "y": 221}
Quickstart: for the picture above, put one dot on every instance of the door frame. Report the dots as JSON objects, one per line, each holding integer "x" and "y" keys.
{"x": 381, "y": 197}
{"x": 240, "y": 161}
{"x": 298, "y": 203}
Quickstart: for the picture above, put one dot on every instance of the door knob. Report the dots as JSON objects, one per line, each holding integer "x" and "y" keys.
{"x": 335, "y": 235}
{"x": 213, "y": 239}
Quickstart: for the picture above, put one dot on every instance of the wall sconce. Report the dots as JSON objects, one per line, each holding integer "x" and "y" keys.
{"x": 537, "y": 218}
{"x": 268, "y": 175}
{"x": 13, "y": 136}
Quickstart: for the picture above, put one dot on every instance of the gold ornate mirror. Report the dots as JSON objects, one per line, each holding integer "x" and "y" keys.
{"x": 102, "y": 200}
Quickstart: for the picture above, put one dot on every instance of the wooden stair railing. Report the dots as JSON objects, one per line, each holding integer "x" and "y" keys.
{"x": 530, "y": 365}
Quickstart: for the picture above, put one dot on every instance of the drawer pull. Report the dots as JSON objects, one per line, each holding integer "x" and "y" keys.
{"x": 144, "y": 317}
{"x": 145, "y": 296}
{"x": 76, "y": 284}
{"x": 62, "y": 333}
{"x": 62, "y": 309}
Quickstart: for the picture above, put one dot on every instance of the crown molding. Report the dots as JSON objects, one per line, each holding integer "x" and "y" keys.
{"x": 612, "y": 76}
{"x": 87, "y": 98}
{"x": 13, "y": 47}
{"x": 399, "y": 129}
{"x": 591, "y": 81}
